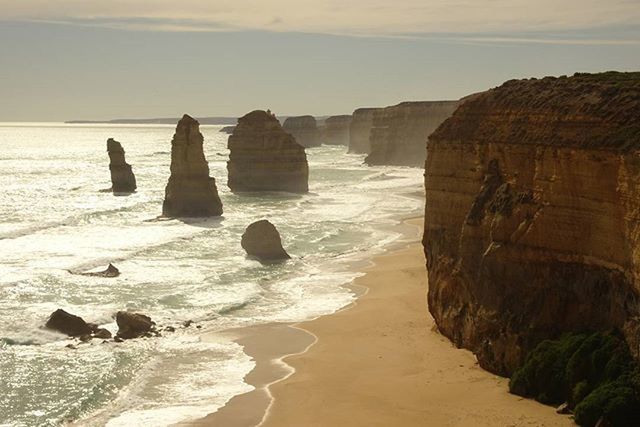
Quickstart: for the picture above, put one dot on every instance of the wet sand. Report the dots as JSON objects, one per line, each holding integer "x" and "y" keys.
{"x": 378, "y": 362}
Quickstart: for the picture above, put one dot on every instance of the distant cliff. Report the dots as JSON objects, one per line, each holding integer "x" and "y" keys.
{"x": 304, "y": 130}
{"x": 399, "y": 132}
{"x": 532, "y": 220}
{"x": 360, "y": 129}
{"x": 336, "y": 130}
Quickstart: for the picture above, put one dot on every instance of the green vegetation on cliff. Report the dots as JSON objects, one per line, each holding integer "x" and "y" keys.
{"x": 594, "y": 373}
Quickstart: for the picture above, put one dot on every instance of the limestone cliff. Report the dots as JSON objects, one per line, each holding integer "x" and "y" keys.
{"x": 360, "y": 129}
{"x": 190, "y": 192}
{"x": 399, "y": 132}
{"x": 263, "y": 157}
{"x": 336, "y": 130}
{"x": 304, "y": 130}
{"x": 122, "y": 178}
{"x": 532, "y": 220}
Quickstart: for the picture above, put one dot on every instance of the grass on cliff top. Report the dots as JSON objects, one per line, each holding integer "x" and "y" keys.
{"x": 594, "y": 373}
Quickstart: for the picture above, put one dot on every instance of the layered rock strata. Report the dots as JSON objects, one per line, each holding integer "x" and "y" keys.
{"x": 532, "y": 220}
{"x": 263, "y": 157}
{"x": 262, "y": 241}
{"x": 190, "y": 192}
{"x": 360, "y": 130}
{"x": 122, "y": 178}
{"x": 399, "y": 132}
{"x": 304, "y": 129}
{"x": 336, "y": 130}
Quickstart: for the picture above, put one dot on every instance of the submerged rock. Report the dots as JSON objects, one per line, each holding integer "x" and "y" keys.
{"x": 263, "y": 157}
{"x": 110, "y": 272}
{"x": 68, "y": 324}
{"x": 122, "y": 178}
{"x": 262, "y": 240}
{"x": 304, "y": 129}
{"x": 133, "y": 325}
{"x": 227, "y": 129}
{"x": 190, "y": 191}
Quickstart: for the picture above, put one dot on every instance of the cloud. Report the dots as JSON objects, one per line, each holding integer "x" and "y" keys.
{"x": 343, "y": 17}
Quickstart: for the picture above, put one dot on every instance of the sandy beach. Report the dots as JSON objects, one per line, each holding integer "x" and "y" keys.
{"x": 379, "y": 361}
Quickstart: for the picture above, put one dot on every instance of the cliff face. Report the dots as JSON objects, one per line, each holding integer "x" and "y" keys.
{"x": 336, "y": 130}
{"x": 190, "y": 191}
{"x": 122, "y": 178}
{"x": 264, "y": 157}
{"x": 360, "y": 129}
{"x": 399, "y": 132}
{"x": 303, "y": 129}
{"x": 532, "y": 220}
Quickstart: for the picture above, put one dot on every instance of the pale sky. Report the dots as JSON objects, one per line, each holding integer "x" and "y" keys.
{"x": 86, "y": 59}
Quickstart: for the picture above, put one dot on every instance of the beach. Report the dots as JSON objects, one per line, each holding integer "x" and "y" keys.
{"x": 379, "y": 361}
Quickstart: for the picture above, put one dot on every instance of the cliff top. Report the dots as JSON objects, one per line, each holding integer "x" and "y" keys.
{"x": 596, "y": 111}
{"x": 299, "y": 121}
{"x": 257, "y": 116}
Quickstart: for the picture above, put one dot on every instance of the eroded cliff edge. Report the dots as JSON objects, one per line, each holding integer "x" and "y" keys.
{"x": 532, "y": 219}
{"x": 398, "y": 133}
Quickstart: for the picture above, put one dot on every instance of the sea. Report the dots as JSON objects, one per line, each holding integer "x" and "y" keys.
{"x": 54, "y": 219}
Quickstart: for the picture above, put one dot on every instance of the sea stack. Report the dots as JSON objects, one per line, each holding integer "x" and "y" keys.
{"x": 360, "y": 130}
{"x": 190, "y": 192}
{"x": 262, "y": 240}
{"x": 336, "y": 130}
{"x": 399, "y": 132}
{"x": 263, "y": 157}
{"x": 532, "y": 220}
{"x": 304, "y": 129}
{"x": 122, "y": 178}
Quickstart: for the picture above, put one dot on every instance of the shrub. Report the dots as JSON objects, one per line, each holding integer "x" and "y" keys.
{"x": 594, "y": 373}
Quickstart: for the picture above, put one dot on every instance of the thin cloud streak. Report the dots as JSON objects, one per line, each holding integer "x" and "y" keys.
{"x": 355, "y": 18}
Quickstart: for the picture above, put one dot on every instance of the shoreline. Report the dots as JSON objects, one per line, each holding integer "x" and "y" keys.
{"x": 377, "y": 361}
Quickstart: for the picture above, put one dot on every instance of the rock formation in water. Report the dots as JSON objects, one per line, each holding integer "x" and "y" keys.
{"x": 68, "y": 324}
{"x": 227, "y": 129}
{"x": 110, "y": 272}
{"x": 133, "y": 325}
{"x": 263, "y": 157}
{"x": 122, "y": 178}
{"x": 360, "y": 130}
{"x": 336, "y": 130}
{"x": 400, "y": 132}
{"x": 190, "y": 192}
{"x": 304, "y": 130}
{"x": 262, "y": 240}
{"x": 532, "y": 220}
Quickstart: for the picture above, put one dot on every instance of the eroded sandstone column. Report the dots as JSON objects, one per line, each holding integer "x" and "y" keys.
{"x": 190, "y": 192}
{"x": 122, "y": 178}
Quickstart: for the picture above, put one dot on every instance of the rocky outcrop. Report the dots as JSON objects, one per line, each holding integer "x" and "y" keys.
{"x": 532, "y": 220}
{"x": 110, "y": 272}
{"x": 68, "y": 324}
{"x": 227, "y": 129}
{"x": 263, "y": 157}
{"x": 336, "y": 130}
{"x": 304, "y": 130}
{"x": 262, "y": 240}
{"x": 360, "y": 129}
{"x": 122, "y": 178}
{"x": 133, "y": 325}
{"x": 399, "y": 133}
{"x": 190, "y": 192}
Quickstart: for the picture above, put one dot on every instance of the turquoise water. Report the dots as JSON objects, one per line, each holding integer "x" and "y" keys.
{"x": 54, "y": 218}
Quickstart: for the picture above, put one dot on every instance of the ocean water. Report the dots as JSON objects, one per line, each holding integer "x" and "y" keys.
{"x": 53, "y": 218}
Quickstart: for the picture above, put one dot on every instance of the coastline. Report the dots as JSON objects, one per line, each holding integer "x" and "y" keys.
{"x": 377, "y": 361}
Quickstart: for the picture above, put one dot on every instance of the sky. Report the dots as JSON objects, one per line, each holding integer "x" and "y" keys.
{"x": 85, "y": 59}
